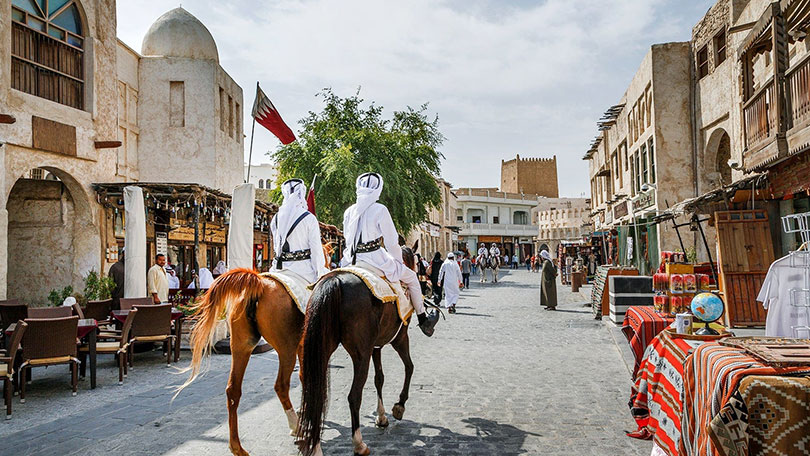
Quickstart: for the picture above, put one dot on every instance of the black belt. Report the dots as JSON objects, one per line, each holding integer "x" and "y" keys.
{"x": 298, "y": 255}
{"x": 369, "y": 246}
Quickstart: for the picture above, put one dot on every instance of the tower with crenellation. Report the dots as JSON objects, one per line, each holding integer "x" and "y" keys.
{"x": 530, "y": 176}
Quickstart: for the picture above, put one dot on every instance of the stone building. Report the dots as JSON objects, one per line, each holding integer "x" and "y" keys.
{"x": 77, "y": 106}
{"x": 439, "y": 233}
{"x": 491, "y": 216}
{"x": 532, "y": 176}
{"x": 561, "y": 219}
{"x": 639, "y": 164}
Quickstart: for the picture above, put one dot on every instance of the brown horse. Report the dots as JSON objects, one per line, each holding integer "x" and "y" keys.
{"x": 342, "y": 310}
{"x": 256, "y": 307}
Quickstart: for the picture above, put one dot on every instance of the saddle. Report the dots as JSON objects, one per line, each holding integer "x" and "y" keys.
{"x": 296, "y": 286}
{"x": 382, "y": 288}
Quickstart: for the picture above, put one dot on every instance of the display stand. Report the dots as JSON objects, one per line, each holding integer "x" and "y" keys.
{"x": 800, "y": 259}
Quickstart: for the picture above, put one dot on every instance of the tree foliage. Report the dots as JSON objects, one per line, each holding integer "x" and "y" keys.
{"x": 347, "y": 139}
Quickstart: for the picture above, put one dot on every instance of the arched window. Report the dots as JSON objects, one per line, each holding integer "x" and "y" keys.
{"x": 261, "y": 183}
{"x": 47, "y": 55}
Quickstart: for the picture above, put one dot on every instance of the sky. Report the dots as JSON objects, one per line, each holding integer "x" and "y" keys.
{"x": 505, "y": 77}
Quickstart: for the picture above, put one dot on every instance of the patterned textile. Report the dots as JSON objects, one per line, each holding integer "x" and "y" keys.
{"x": 712, "y": 373}
{"x": 381, "y": 288}
{"x": 641, "y": 325}
{"x": 295, "y": 285}
{"x": 656, "y": 395}
{"x": 766, "y": 416}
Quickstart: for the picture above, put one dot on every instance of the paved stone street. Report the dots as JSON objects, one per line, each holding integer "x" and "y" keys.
{"x": 502, "y": 376}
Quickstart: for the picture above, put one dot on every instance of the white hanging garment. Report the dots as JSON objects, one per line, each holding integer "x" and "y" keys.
{"x": 135, "y": 243}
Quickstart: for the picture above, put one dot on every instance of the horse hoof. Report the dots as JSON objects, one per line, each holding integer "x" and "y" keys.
{"x": 364, "y": 452}
{"x": 382, "y": 422}
{"x": 239, "y": 452}
{"x": 398, "y": 411}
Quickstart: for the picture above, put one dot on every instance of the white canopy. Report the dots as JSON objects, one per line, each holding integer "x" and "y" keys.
{"x": 135, "y": 243}
{"x": 240, "y": 231}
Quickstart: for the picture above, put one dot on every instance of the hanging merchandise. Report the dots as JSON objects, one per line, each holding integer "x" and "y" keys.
{"x": 785, "y": 293}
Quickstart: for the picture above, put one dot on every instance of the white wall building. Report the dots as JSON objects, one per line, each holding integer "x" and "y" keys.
{"x": 263, "y": 175}
{"x": 487, "y": 215}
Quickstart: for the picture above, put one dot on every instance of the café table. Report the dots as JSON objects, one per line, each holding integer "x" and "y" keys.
{"x": 641, "y": 325}
{"x": 87, "y": 327}
{"x": 714, "y": 375}
{"x": 120, "y": 316}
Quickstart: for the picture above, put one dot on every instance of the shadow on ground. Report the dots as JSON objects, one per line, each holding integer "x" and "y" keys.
{"x": 482, "y": 436}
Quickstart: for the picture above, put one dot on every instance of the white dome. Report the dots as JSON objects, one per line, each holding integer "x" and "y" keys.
{"x": 179, "y": 34}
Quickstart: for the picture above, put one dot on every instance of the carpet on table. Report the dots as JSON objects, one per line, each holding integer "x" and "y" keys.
{"x": 712, "y": 374}
{"x": 766, "y": 416}
{"x": 655, "y": 401}
{"x": 641, "y": 325}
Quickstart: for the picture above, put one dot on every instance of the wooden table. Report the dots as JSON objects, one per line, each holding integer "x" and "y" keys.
{"x": 87, "y": 327}
{"x": 177, "y": 316}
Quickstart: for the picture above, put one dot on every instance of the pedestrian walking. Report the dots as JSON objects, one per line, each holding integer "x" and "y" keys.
{"x": 466, "y": 267}
{"x": 450, "y": 281}
{"x": 529, "y": 264}
{"x": 548, "y": 282}
{"x": 474, "y": 262}
{"x": 515, "y": 261}
{"x": 433, "y": 272}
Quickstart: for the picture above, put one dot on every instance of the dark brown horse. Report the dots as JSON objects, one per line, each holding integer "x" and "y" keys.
{"x": 342, "y": 310}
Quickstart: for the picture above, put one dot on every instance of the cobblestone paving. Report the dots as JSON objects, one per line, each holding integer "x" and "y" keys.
{"x": 500, "y": 377}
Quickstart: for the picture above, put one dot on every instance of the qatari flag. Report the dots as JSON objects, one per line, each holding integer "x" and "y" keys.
{"x": 267, "y": 115}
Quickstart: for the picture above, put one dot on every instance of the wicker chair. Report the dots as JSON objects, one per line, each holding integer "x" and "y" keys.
{"x": 153, "y": 324}
{"x": 50, "y": 312}
{"x": 119, "y": 348}
{"x": 47, "y": 342}
{"x": 7, "y": 365}
{"x": 129, "y": 303}
{"x": 99, "y": 311}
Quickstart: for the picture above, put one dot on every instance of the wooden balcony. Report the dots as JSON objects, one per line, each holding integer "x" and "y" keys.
{"x": 760, "y": 117}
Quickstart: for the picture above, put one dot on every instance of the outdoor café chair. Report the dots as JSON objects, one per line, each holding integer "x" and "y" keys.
{"x": 99, "y": 311}
{"x": 50, "y": 312}
{"x": 153, "y": 323}
{"x": 11, "y": 311}
{"x": 129, "y": 303}
{"x": 7, "y": 365}
{"x": 119, "y": 348}
{"x": 48, "y": 342}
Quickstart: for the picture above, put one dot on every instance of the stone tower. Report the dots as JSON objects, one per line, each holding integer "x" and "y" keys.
{"x": 530, "y": 176}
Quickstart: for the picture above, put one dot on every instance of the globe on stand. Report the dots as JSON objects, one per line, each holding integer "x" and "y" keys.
{"x": 707, "y": 307}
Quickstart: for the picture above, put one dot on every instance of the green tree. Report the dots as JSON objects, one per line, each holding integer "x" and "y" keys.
{"x": 347, "y": 139}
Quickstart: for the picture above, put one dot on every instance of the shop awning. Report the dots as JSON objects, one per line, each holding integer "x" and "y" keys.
{"x": 701, "y": 203}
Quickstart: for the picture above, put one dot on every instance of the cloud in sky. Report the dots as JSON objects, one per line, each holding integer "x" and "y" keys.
{"x": 505, "y": 77}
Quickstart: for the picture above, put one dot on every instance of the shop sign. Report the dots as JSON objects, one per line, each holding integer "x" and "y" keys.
{"x": 525, "y": 240}
{"x": 620, "y": 210}
{"x": 608, "y": 217}
{"x": 162, "y": 243}
{"x": 643, "y": 200}
{"x": 454, "y": 237}
{"x": 208, "y": 236}
{"x": 488, "y": 239}
{"x": 434, "y": 231}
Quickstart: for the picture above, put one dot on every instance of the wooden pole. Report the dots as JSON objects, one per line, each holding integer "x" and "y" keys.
{"x": 196, "y": 244}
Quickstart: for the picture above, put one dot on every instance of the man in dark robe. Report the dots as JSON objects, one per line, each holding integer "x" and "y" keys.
{"x": 548, "y": 282}
{"x": 117, "y": 274}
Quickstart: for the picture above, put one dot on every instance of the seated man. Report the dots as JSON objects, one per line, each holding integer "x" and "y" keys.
{"x": 371, "y": 237}
{"x": 297, "y": 235}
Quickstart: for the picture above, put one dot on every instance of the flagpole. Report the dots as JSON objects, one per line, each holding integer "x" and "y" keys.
{"x": 252, "y": 130}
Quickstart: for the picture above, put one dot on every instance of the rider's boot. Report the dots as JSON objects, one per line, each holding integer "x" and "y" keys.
{"x": 427, "y": 322}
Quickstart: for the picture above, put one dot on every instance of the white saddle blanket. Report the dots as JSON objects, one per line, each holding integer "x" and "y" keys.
{"x": 381, "y": 288}
{"x": 296, "y": 286}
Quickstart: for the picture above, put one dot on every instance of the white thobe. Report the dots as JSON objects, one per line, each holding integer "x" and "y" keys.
{"x": 307, "y": 235}
{"x": 376, "y": 222}
{"x": 450, "y": 278}
{"x": 775, "y": 297}
{"x": 174, "y": 281}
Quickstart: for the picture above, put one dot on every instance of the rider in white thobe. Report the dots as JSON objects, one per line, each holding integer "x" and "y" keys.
{"x": 303, "y": 254}
{"x": 495, "y": 251}
{"x": 450, "y": 278}
{"x": 371, "y": 237}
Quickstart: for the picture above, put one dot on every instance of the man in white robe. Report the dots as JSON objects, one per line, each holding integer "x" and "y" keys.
{"x": 371, "y": 237}
{"x": 483, "y": 255}
{"x": 206, "y": 279}
{"x": 450, "y": 279}
{"x": 174, "y": 281}
{"x": 297, "y": 235}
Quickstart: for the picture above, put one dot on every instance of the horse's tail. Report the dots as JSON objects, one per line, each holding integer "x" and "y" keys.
{"x": 233, "y": 291}
{"x": 321, "y": 335}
